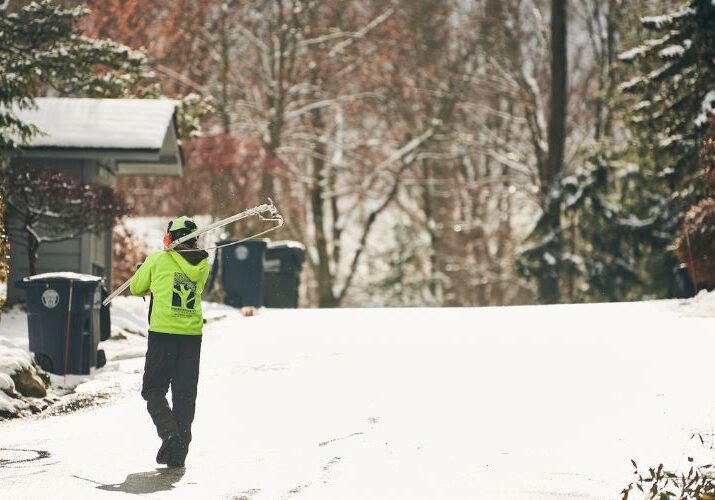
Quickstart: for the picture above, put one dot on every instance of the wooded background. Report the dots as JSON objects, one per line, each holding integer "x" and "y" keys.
{"x": 441, "y": 152}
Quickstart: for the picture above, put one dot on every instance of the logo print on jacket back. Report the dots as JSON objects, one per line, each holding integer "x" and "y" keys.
{"x": 184, "y": 295}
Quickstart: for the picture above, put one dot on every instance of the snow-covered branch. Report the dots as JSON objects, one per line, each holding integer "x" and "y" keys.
{"x": 361, "y": 34}
{"x": 291, "y": 115}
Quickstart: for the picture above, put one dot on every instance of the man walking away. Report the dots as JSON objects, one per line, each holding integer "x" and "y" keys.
{"x": 175, "y": 279}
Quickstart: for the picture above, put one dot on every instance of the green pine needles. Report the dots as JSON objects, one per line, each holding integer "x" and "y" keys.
{"x": 42, "y": 48}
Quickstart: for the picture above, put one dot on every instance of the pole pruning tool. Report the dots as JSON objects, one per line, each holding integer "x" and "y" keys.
{"x": 266, "y": 212}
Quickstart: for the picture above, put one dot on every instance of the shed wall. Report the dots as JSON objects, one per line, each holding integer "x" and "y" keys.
{"x": 89, "y": 253}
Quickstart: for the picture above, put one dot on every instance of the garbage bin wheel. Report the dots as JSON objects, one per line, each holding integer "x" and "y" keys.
{"x": 45, "y": 362}
{"x": 101, "y": 358}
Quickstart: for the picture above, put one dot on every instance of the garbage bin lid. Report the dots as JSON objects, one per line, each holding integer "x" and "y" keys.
{"x": 286, "y": 244}
{"x": 257, "y": 241}
{"x": 62, "y": 276}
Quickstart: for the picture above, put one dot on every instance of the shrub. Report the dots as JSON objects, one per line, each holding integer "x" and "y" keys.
{"x": 696, "y": 244}
{"x": 127, "y": 253}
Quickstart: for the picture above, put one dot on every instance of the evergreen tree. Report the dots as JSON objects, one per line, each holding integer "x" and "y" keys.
{"x": 674, "y": 94}
{"x": 630, "y": 203}
{"x": 675, "y": 85}
{"x": 405, "y": 279}
{"x": 42, "y": 47}
{"x": 615, "y": 222}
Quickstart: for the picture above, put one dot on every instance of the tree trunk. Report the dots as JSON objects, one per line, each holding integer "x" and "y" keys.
{"x": 431, "y": 226}
{"x": 267, "y": 187}
{"x": 550, "y": 176}
{"x": 559, "y": 92}
{"x": 33, "y": 247}
{"x": 614, "y": 12}
{"x": 225, "y": 47}
{"x": 326, "y": 295}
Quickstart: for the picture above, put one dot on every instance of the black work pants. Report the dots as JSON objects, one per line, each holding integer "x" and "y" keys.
{"x": 172, "y": 361}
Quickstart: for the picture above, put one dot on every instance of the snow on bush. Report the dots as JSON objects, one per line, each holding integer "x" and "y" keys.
{"x": 12, "y": 359}
{"x": 10, "y": 405}
{"x": 6, "y": 383}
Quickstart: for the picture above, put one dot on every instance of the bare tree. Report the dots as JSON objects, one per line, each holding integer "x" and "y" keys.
{"x": 441, "y": 120}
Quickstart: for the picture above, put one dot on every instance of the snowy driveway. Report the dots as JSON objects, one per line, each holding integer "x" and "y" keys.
{"x": 534, "y": 402}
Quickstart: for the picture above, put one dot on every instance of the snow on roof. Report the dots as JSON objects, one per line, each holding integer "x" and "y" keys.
{"x": 81, "y": 123}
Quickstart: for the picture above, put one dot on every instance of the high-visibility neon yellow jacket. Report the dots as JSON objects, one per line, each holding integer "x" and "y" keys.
{"x": 176, "y": 281}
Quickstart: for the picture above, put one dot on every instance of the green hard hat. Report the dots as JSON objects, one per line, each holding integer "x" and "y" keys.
{"x": 180, "y": 227}
{"x": 182, "y": 222}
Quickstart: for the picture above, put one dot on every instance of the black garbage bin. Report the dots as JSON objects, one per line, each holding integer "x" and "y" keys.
{"x": 282, "y": 265}
{"x": 686, "y": 288}
{"x": 242, "y": 270}
{"x": 65, "y": 321}
{"x": 105, "y": 320}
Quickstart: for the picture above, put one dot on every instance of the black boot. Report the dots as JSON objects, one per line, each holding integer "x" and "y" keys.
{"x": 177, "y": 454}
{"x": 168, "y": 445}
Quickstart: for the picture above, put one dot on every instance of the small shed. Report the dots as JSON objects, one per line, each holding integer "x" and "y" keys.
{"x": 95, "y": 140}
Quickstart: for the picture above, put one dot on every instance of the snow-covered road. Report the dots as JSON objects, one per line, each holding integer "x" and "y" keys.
{"x": 532, "y": 402}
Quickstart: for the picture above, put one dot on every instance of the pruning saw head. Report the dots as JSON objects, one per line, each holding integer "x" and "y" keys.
{"x": 272, "y": 213}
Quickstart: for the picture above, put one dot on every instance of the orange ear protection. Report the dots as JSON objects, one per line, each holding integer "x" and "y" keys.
{"x": 167, "y": 240}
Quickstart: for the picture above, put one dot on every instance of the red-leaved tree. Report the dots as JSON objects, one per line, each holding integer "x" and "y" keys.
{"x": 127, "y": 252}
{"x": 55, "y": 206}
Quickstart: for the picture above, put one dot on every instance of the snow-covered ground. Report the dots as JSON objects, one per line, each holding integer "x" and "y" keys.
{"x": 124, "y": 349}
{"x": 512, "y": 403}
